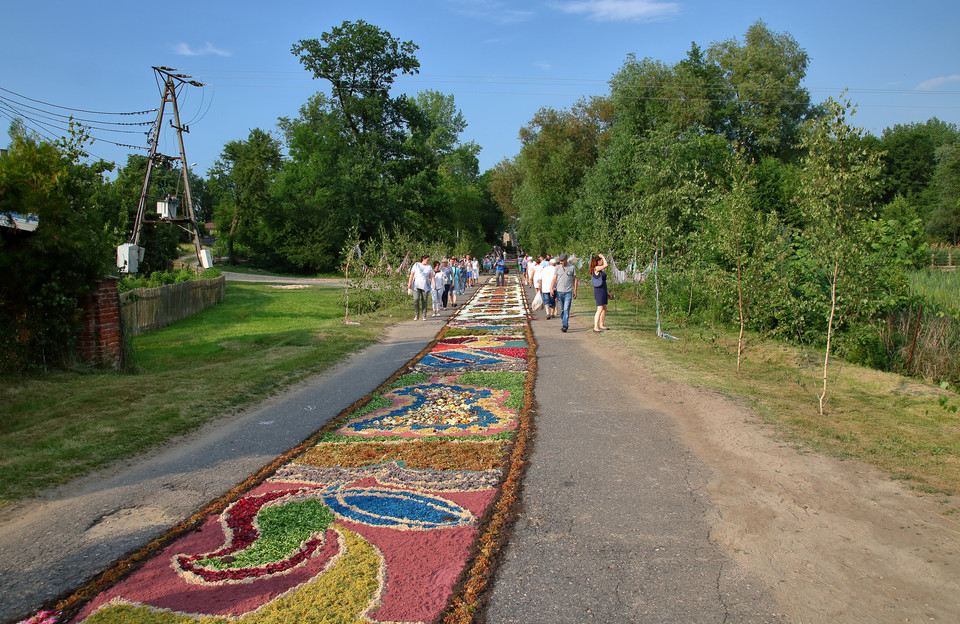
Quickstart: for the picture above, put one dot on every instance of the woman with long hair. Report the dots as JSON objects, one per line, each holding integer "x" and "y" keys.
{"x": 598, "y": 279}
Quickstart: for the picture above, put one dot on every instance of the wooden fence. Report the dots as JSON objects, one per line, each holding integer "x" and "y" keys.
{"x": 944, "y": 260}
{"x": 144, "y": 309}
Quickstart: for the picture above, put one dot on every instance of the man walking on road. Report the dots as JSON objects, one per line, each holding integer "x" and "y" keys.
{"x": 566, "y": 287}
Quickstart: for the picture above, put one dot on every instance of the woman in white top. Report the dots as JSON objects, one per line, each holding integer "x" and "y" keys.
{"x": 419, "y": 285}
{"x": 436, "y": 288}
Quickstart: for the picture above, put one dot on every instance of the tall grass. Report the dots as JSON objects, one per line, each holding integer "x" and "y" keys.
{"x": 941, "y": 288}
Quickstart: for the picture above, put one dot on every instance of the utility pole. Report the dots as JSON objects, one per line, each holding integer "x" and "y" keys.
{"x": 128, "y": 255}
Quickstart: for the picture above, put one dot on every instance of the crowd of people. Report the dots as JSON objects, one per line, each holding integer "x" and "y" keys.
{"x": 553, "y": 279}
{"x": 442, "y": 281}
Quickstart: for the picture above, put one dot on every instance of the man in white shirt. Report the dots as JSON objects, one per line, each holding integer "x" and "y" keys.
{"x": 476, "y": 270}
{"x": 419, "y": 285}
{"x": 548, "y": 278}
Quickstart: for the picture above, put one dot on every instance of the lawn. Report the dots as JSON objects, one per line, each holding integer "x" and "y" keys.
{"x": 58, "y": 426}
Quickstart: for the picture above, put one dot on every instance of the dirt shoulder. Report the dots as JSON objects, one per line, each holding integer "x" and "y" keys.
{"x": 836, "y": 541}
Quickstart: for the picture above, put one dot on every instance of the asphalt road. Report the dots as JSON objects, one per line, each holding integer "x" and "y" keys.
{"x": 615, "y": 523}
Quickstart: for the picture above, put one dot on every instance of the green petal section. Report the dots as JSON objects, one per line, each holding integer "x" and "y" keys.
{"x": 283, "y": 528}
{"x": 339, "y": 595}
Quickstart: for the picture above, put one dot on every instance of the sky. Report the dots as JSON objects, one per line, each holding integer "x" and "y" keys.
{"x": 502, "y": 61}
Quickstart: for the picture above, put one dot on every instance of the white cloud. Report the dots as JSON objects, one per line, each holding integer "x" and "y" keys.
{"x": 184, "y": 49}
{"x": 933, "y": 83}
{"x": 621, "y": 10}
{"x": 491, "y": 11}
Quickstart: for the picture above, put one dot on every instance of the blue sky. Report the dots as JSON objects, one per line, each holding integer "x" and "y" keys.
{"x": 502, "y": 61}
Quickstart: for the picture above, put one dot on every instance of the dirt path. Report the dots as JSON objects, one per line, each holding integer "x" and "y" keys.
{"x": 835, "y": 541}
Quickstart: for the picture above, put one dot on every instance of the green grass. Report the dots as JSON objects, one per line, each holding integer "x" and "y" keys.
{"x": 58, "y": 426}
{"x": 938, "y": 287}
{"x": 892, "y": 422}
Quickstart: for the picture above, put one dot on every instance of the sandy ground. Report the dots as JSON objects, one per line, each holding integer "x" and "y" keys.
{"x": 836, "y": 541}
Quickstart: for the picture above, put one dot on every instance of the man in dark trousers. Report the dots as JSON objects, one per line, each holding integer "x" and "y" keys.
{"x": 566, "y": 287}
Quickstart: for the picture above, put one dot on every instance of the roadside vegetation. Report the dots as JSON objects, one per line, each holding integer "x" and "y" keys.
{"x": 60, "y": 425}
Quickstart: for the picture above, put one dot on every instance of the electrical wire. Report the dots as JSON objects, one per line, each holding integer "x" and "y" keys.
{"x": 78, "y": 110}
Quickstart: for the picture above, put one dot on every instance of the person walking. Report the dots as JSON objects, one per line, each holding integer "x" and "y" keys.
{"x": 598, "y": 279}
{"x": 457, "y": 279}
{"x": 500, "y": 268}
{"x": 476, "y": 270}
{"x": 419, "y": 284}
{"x": 548, "y": 279}
{"x": 447, "y": 272}
{"x": 565, "y": 284}
{"x": 436, "y": 287}
{"x": 464, "y": 276}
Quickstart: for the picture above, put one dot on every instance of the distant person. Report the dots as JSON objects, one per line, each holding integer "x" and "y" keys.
{"x": 565, "y": 285}
{"x": 500, "y": 267}
{"x": 476, "y": 270}
{"x": 598, "y": 279}
{"x": 419, "y": 285}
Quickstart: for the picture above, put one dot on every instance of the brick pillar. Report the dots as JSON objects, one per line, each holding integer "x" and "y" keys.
{"x": 100, "y": 341}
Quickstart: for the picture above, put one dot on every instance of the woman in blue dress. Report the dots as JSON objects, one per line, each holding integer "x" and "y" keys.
{"x": 598, "y": 279}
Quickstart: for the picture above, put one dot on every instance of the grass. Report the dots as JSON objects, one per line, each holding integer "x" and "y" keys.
{"x": 59, "y": 426}
{"x": 891, "y": 422}
{"x": 939, "y": 287}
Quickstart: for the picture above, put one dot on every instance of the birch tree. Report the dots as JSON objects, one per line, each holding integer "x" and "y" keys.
{"x": 838, "y": 176}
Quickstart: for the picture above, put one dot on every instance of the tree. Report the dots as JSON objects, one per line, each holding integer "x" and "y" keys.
{"x": 50, "y": 268}
{"x": 765, "y": 105}
{"x": 838, "y": 178}
{"x": 944, "y": 222}
{"x": 558, "y": 147}
{"x": 361, "y": 62}
{"x": 242, "y": 179}
{"x": 910, "y": 159}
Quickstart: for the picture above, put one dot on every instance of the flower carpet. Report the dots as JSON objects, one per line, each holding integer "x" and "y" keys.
{"x": 392, "y": 513}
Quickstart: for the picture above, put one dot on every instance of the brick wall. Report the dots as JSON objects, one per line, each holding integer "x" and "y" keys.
{"x": 100, "y": 341}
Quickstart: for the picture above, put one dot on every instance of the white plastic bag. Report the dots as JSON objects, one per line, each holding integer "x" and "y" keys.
{"x": 537, "y": 301}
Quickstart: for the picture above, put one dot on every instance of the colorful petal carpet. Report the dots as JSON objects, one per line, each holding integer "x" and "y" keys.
{"x": 393, "y": 512}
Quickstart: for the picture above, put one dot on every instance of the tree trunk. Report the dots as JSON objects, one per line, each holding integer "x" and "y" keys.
{"x": 833, "y": 308}
{"x": 740, "y": 304}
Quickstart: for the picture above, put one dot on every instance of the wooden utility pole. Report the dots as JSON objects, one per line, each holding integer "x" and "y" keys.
{"x": 171, "y": 82}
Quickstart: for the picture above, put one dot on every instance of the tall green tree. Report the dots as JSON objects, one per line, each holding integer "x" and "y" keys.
{"x": 944, "y": 221}
{"x": 766, "y": 103}
{"x": 242, "y": 180}
{"x": 361, "y": 61}
{"x": 558, "y": 147}
{"x": 910, "y": 159}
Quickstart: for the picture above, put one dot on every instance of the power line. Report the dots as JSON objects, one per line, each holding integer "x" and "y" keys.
{"x": 78, "y": 110}
{"x": 494, "y": 79}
